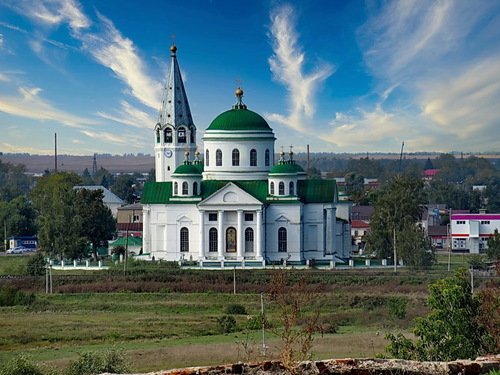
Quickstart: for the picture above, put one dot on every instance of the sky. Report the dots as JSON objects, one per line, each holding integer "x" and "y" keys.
{"x": 341, "y": 76}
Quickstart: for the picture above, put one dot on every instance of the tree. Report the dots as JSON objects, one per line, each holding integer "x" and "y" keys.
{"x": 396, "y": 206}
{"x": 493, "y": 251}
{"x": 103, "y": 178}
{"x": 124, "y": 188}
{"x": 87, "y": 179}
{"x": 414, "y": 247}
{"x": 97, "y": 222}
{"x": 13, "y": 181}
{"x": 450, "y": 331}
{"x": 18, "y": 216}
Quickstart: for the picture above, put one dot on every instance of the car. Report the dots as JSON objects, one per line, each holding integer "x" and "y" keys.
{"x": 17, "y": 250}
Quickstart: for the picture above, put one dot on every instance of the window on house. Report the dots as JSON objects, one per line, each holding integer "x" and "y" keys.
{"x": 267, "y": 158}
{"x": 282, "y": 240}
{"x": 291, "y": 188}
{"x": 485, "y": 221}
{"x": 218, "y": 158}
{"x": 184, "y": 240}
{"x": 212, "y": 240}
{"x": 176, "y": 189}
{"x": 253, "y": 158}
{"x": 181, "y": 135}
{"x": 167, "y": 135}
{"x": 231, "y": 240}
{"x": 249, "y": 217}
{"x": 281, "y": 188}
{"x": 236, "y": 157}
{"x": 207, "y": 154}
{"x": 249, "y": 240}
{"x": 185, "y": 188}
{"x": 212, "y": 216}
{"x": 195, "y": 188}
{"x": 271, "y": 189}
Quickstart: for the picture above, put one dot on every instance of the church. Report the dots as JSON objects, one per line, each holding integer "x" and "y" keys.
{"x": 233, "y": 204}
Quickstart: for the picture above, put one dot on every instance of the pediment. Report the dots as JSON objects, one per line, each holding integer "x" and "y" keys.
{"x": 282, "y": 219}
{"x": 183, "y": 219}
{"x": 230, "y": 195}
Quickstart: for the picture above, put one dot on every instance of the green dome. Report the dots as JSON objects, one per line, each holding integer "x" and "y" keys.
{"x": 238, "y": 119}
{"x": 286, "y": 168}
{"x": 187, "y": 169}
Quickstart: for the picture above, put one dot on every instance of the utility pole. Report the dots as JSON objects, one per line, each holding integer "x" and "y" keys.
{"x": 395, "y": 254}
{"x": 5, "y": 236}
{"x": 234, "y": 280}
{"x": 263, "y": 324}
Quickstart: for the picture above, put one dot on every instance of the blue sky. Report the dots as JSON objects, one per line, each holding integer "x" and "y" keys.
{"x": 342, "y": 76}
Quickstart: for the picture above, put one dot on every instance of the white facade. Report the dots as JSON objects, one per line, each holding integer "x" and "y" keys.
{"x": 470, "y": 232}
{"x": 222, "y": 208}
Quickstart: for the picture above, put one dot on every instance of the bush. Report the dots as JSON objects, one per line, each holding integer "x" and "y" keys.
{"x": 255, "y": 323}
{"x": 36, "y": 265}
{"x": 227, "y": 324}
{"x": 236, "y": 309}
{"x": 9, "y": 296}
{"x": 397, "y": 307}
{"x": 21, "y": 365}
{"x": 93, "y": 363}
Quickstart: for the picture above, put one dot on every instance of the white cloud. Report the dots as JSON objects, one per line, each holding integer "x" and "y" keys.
{"x": 10, "y": 148}
{"x": 29, "y": 104}
{"x": 122, "y": 139}
{"x": 287, "y": 65}
{"x": 130, "y": 115}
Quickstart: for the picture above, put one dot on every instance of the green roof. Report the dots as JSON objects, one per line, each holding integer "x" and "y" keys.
{"x": 286, "y": 168}
{"x": 187, "y": 169}
{"x": 238, "y": 119}
{"x": 122, "y": 241}
{"x": 310, "y": 191}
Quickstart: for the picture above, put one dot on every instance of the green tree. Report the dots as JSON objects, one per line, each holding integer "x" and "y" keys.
{"x": 103, "y": 178}
{"x": 397, "y": 206}
{"x": 450, "y": 331}
{"x": 124, "y": 187}
{"x": 493, "y": 251}
{"x": 414, "y": 247}
{"x": 36, "y": 265}
{"x": 13, "y": 181}
{"x": 87, "y": 179}
{"x": 97, "y": 222}
{"x": 18, "y": 216}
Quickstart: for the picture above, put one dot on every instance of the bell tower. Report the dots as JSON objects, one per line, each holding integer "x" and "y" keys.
{"x": 175, "y": 132}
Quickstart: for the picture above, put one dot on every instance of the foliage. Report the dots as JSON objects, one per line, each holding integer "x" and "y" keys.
{"x": 489, "y": 313}
{"x": 414, "y": 247}
{"x": 397, "y": 307}
{"x": 450, "y": 331}
{"x": 118, "y": 250}
{"x": 103, "y": 178}
{"x": 236, "y": 309}
{"x": 21, "y": 365}
{"x": 124, "y": 188}
{"x": 93, "y": 363}
{"x": 397, "y": 206}
{"x": 18, "y": 216}
{"x": 226, "y": 324}
{"x": 493, "y": 251}
{"x": 13, "y": 181}
{"x": 10, "y": 296}
{"x": 36, "y": 264}
{"x": 256, "y": 322}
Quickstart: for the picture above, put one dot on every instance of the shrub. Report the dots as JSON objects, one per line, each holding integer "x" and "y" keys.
{"x": 236, "y": 309}
{"x": 36, "y": 265}
{"x": 227, "y": 324}
{"x": 21, "y": 365}
{"x": 92, "y": 363}
{"x": 255, "y": 323}
{"x": 397, "y": 307}
{"x": 10, "y": 296}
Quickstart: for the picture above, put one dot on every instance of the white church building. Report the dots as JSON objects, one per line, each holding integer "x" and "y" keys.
{"x": 233, "y": 204}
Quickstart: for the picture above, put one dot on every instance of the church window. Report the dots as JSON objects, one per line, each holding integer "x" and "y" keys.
{"x": 291, "y": 188}
{"x": 212, "y": 240}
{"x": 192, "y": 135}
{"x": 282, "y": 240}
{"x": 195, "y": 188}
{"x": 158, "y": 136}
{"x": 249, "y": 216}
{"x": 218, "y": 158}
{"x": 271, "y": 190}
{"x": 231, "y": 240}
{"x": 207, "y": 154}
{"x": 184, "y": 240}
{"x": 212, "y": 216}
{"x": 267, "y": 158}
{"x": 167, "y": 135}
{"x": 253, "y": 157}
{"x": 181, "y": 135}
{"x": 176, "y": 188}
{"x": 185, "y": 188}
{"x": 249, "y": 240}
{"x": 236, "y": 157}
{"x": 281, "y": 188}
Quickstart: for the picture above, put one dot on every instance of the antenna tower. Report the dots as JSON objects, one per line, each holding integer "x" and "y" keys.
{"x": 94, "y": 164}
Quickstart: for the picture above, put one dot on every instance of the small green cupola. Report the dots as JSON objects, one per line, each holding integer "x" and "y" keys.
{"x": 284, "y": 175}
{"x": 187, "y": 178}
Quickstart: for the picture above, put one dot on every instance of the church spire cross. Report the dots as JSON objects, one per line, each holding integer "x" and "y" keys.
{"x": 239, "y": 97}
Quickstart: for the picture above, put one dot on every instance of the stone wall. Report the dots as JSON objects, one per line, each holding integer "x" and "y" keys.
{"x": 349, "y": 367}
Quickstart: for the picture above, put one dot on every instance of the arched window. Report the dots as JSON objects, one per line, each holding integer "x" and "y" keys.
{"x": 207, "y": 155}
{"x": 236, "y": 157}
{"x": 192, "y": 135}
{"x": 185, "y": 188}
{"x": 157, "y": 135}
{"x": 291, "y": 188}
{"x": 181, "y": 135}
{"x": 184, "y": 240}
{"x": 167, "y": 135}
{"x": 281, "y": 188}
{"x": 249, "y": 240}
{"x": 212, "y": 240}
{"x": 271, "y": 189}
{"x": 218, "y": 158}
{"x": 267, "y": 158}
{"x": 195, "y": 188}
{"x": 282, "y": 240}
{"x": 231, "y": 240}
{"x": 176, "y": 188}
{"x": 253, "y": 157}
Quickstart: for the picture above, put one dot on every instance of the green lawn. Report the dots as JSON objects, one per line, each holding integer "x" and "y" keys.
{"x": 13, "y": 264}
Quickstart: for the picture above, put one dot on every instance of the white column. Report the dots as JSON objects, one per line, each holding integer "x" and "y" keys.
{"x": 146, "y": 242}
{"x": 201, "y": 254}
{"x": 259, "y": 237}
{"x": 241, "y": 239}
{"x": 220, "y": 235}
{"x": 334, "y": 232}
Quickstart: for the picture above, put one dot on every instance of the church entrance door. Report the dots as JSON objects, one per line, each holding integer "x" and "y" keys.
{"x": 231, "y": 240}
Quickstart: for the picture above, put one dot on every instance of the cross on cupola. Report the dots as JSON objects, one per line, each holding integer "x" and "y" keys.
{"x": 239, "y": 96}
